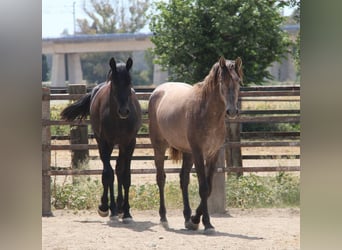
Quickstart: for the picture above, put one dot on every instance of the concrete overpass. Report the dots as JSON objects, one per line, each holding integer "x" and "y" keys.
{"x": 73, "y": 46}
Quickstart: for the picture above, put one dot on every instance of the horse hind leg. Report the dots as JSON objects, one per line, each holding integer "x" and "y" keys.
{"x": 159, "y": 155}
{"x": 159, "y": 147}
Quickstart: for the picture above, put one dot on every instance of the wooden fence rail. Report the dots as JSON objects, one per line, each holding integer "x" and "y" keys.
{"x": 249, "y": 139}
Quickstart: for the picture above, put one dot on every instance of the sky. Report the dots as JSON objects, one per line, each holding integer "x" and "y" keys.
{"x": 58, "y": 16}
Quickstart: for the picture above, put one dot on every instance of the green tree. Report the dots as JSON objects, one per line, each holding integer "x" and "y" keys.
{"x": 45, "y": 69}
{"x": 296, "y": 16}
{"x": 114, "y": 17}
{"x": 106, "y": 17}
{"x": 190, "y": 35}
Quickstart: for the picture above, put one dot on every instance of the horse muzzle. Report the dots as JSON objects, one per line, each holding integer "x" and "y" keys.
{"x": 232, "y": 113}
{"x": 123, "y": 113}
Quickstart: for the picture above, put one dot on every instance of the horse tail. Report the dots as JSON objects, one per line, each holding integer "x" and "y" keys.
{"x": 79, "y": 109}
{"x": 175, "y": 155}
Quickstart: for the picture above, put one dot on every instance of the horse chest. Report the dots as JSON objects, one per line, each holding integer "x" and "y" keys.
{"x": 212, "y": 139}
{"x": 116, "y": 130}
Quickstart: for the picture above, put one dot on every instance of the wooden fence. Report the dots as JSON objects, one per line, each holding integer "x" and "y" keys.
{"x": 230, "y": 161}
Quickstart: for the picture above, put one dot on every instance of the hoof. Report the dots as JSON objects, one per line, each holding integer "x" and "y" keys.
{"x": 120, "y": 215}
{"x": 209, "y": 231}
{"x": 190, "y": 225}
{"x": 114, "y": 218}
{"x": 165, "y": 224}
{"x": 127, "y": 220}
{"x": 102, "y": 213}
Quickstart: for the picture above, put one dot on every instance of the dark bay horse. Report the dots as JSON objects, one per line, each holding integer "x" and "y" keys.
{"x": 190, "y": 120}
{"x": 115, "y": 116}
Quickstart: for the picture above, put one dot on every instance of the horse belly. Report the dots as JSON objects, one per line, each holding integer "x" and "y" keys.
{"x": 175, "y": 134}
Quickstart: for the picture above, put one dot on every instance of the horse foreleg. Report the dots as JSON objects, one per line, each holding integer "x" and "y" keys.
{"x": 112, "y": 206}
{"x": 103, "y": 207}
{"x": 119, "y": 174}
{"x": 127, "y": 217}
{"x": 204, "y": 191}
{"x": 124, "y": 175}
{"x": 107, "y": 181}
{"x": 184, "y": 183}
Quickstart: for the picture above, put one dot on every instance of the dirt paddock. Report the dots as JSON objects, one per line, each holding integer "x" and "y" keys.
{"x": 237, "y": 229}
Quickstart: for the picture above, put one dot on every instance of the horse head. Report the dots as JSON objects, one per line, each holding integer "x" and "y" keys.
{"x": 121, "y": 86}
{"x": 230, "y": 80}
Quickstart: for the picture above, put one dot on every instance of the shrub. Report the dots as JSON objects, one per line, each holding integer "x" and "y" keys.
{"x": 252, "y": 191}
{"x": 249, "y": 191}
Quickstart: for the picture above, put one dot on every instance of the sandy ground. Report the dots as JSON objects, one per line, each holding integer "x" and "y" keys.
{"x": 238, "y": 229}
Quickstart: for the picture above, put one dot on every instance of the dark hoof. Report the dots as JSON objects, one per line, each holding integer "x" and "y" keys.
{"x": 114, "y": 218}
{"x": 190, "y": 225}
{"x": 127, "y": 220}
{"x": 102, "y": 213}
{"x": 165, "y": 224}
{"x": 209, "y": 231}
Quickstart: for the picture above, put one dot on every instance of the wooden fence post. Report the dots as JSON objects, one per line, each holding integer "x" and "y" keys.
{"x": 217, "y": 199}
{"x": 46, "y": 154}
{"x": 233, "y": 154}
{"x": 79, "y": 134}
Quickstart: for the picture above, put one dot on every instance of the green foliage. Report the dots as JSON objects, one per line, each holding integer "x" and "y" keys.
{"x": 95, "y": 66}
{"x": 296, "y": 54}
{"x": 296, "y": 46}
{"x": 144, "y": 196}
{"x": 249, "y": 191}
{"x": 45, "y": 69}
{"x": 190, "y": 36}
{"x": 143, "y": 129}
{"x": 55, "y": 111}
{"x": 109, "y": 17}
{"x": 83, "y": 195}
{"x": 114, "y": 16}
{"x": 252, "y": 191}
{"x": 281, "y": 127}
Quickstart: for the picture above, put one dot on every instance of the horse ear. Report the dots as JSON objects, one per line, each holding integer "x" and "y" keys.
{"x": 238, "y": 67}
{"x": 222, "y": 62}
{"x": 112, "y": 64}
{"x": 238, "y": 63}
{"x": 129, "y": 63}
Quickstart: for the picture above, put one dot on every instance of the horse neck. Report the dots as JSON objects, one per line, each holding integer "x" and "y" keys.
{"x": 212, "y": 102}
{"x": 112, "y": 100}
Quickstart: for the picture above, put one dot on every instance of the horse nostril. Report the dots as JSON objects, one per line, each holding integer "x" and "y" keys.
{"x": 232, "y": 112}
{"x": 124, "y": 112}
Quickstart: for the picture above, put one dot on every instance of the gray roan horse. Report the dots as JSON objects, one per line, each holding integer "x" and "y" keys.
{"x": 190, "y": 120}
{"x": 115, "y": 116}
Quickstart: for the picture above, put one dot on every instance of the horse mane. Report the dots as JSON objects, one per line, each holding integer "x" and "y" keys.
{"x": 109, "y": 75}
{"x": 211, "y": 80}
